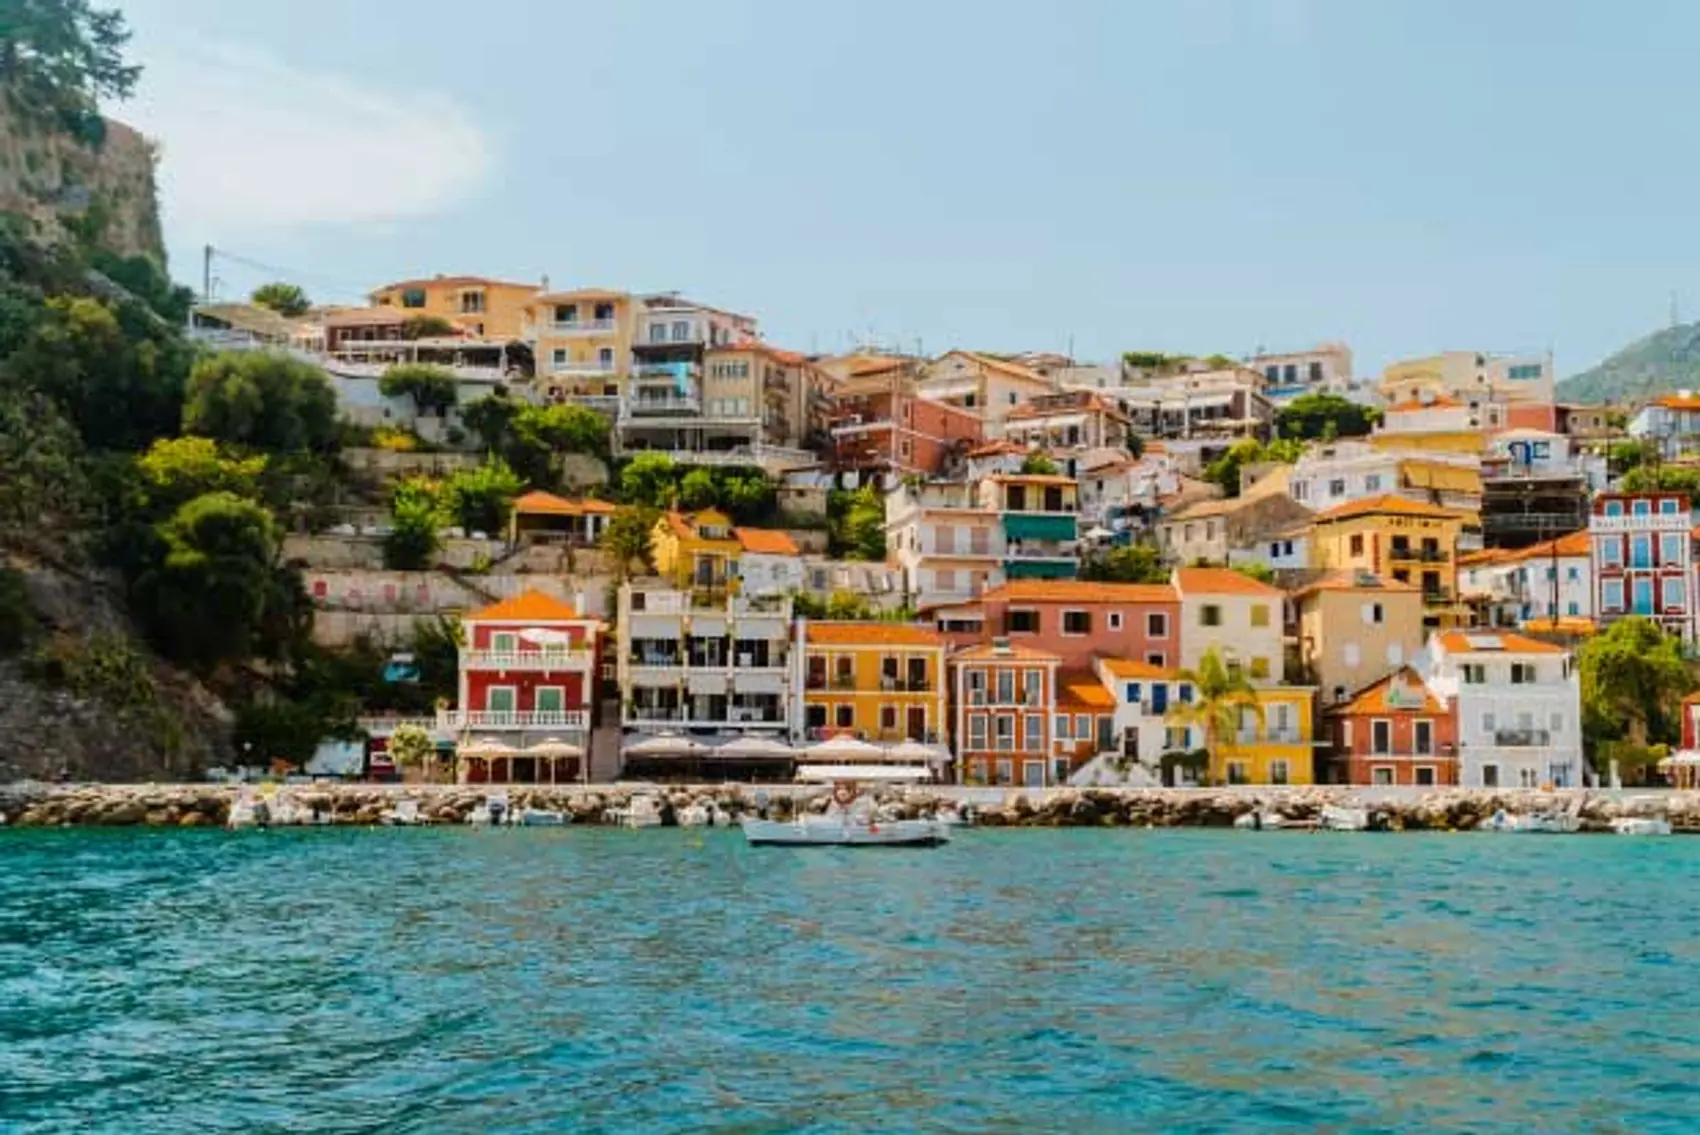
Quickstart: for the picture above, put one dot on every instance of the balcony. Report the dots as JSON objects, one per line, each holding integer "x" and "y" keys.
{"x": 663, "y": 406}
{"x": 683, "y": 717}
{"x": 905, "y": 685}
{"x": 587, "y": 367}
{"x": 579, "y": 327}
{"x": 1653, "y": 522}
{"x": 577, "y": 658}
{"x": 1418, "y": 555}
{"x": 666, "y": 372}
{"x": 1522, "y": 738}
{"x": 513, "y": 719}
{"x": 1056, "y": 526}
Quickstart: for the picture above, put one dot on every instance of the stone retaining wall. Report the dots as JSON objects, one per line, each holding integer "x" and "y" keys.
{"x": 208, "y": 805}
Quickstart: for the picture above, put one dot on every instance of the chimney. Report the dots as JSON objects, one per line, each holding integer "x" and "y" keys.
{"x": 545, "y": 286}
{"x": 1000, "y": 645}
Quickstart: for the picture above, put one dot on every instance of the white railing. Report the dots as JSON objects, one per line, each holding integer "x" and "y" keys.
{"x": 589, "y": 366}
{"x": 572, "y": 659}
{"x": 1060, "y": 553}
{"x": 385, "y": 726}
{"x": 351, "y": 369}
{"x": 1654, "y": 522}
{"x": 513, "y": 719}
{"x": 643, "y": 717}
{"x": 637, "y": 406}
{"x": 579, "y": 327}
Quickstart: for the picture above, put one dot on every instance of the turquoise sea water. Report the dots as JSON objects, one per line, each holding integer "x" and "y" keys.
{"x": 599, "y": 981}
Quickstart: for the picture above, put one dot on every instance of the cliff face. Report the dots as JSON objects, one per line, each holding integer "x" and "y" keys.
{"x": 55, "y": 179}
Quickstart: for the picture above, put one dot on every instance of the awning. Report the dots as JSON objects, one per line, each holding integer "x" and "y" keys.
{"x": 830, "y": 773}
{"x": 1434, "y": 475}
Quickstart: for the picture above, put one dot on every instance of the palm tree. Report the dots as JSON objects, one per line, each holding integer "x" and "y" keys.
{"x": 1218, "y": 695}
{"x": 411, "y": 747}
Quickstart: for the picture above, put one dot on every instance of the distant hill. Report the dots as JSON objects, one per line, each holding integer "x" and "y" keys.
{"x": 1665, "y": 360}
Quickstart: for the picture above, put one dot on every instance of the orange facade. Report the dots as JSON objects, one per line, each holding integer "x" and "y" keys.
{"x": 1005, "y": 698}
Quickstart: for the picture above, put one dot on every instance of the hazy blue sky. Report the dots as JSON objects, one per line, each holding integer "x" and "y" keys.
{"x": 1204, "y": 175}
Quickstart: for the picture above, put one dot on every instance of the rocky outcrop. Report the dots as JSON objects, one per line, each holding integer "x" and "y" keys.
{"x": 196, "y": 805}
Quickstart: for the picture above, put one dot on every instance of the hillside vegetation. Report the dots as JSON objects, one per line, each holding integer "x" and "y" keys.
{"x": 1663, "y": 361}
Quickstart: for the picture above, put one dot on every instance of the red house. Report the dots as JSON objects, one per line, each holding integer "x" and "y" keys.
{"x": 1396, "y": 731}
{"x": 527, "y": 684}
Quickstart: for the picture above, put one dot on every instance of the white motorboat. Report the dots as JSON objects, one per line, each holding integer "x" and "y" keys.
{"x": 248, "y": 811}
{"x": 1641, "y": 825}
{"x": 1260, "y": 821}
{"x": 543, "y": 818}
{"x": 845, "y": 830}
{"x": 702, "y": 816}
{"x": 492, "y": 810}
{"x": 1535, "y": 823}
{"x": 952, "y": 816}
{"x": 639, "y": 812}
{"x": 1338, "y": 819}
{"x": 405, "y": 814}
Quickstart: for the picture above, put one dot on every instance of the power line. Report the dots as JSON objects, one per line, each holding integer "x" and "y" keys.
{"x": 291, "y": 275}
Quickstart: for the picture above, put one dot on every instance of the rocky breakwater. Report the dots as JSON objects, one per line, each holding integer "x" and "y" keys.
{"x": 1444, "y": 809}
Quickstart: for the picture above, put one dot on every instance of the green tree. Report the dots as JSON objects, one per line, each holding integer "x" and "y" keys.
{"x": 856, "y": 523}
{"x": 61, "y": 57}
{"x": 433, "y": 389}
{"x": 1324, "y": 415}
{"x": 697, "y": 489}
{"x": 1039, "y": 464}
{"x": 415, "y": 519}
{"x": 1225, "y": 470}
{"x": 174, "y": 471}
{"x": 489, "y": 418}
{"x": 217, "y": 590}
{"x": 411, "y": 747}
{"x": 649, "y": 479}
{"x": 1263, "y": 573}
{"x": 43, "y": 486}
{"x": 628, "y": 538}
{"x": 480, "y": 499}
{"x": 1135, "y": 563}
{"x": 426, "y": 327}
{"x": 1632, "y": 677}
{"x": 17, "y": 614}
{"x": 143, "y": 279}
{"x": 286, "y": 299}
{"x": 262, "y": 400}
{"x": 535, "y": 434}
{"x": 749, "y": 495}
{"x": 1218, "y": 697}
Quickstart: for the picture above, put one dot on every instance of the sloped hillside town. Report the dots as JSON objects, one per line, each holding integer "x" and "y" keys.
{"x": 1023, "y": 570}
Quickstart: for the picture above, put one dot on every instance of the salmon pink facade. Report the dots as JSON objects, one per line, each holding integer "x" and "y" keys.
{"x": 1079, "y": 622}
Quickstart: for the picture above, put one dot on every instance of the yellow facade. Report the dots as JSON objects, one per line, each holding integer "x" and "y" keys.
{"x": 883, "y": 682}
{"x": 1274, "y": 742}
{"x": 696, "y": 549}
{"x": 1397, "y": 539}
{"x": 491, "y": 309}
{"x": 1439, "y": 441}
{"x": 583, "y": 340}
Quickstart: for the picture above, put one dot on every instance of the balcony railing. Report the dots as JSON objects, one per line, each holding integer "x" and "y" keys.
{"x": 1521, "y": 738}
{"x": 1418, "y": 555}
{"x": 579, "y": 327}
{"x": 513, "y": 719}
{"x": 677, "y": 715}
{"x": 905, "y": 685}
{"x": 572, "y": 659}
{"x": 1654, "y": 522}
{"x": 637, "y": 406}
{"x": 586, "y": 366}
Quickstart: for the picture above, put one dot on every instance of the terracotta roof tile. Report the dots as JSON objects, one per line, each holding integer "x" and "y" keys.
{"x": 1133, "y": 668}
{"x": 765, "y": 541}
{"x": 539, "y": 503}
{"x": 527, "y": 606}
{"x": 1458, "y": 642}
{"x": 1080, "y": 591}
{"x": 1354, "y": 581}
{"x": 872, "y": 634}
{"x": 1390, "y": 505}
{"x": 987, "y": 652}
{"x": 451, "y": 282}
{"x": 1219, "y": 581}
{"x": 1084, "y": 691}
{"x": 1373, "y": 698}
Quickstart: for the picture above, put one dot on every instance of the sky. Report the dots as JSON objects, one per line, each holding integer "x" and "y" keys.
{"x": 1203, "y": 176}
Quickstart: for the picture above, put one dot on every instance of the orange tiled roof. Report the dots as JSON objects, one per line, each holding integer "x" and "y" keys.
{"x": 1014, "y": 370}
{"x": 1084, "y": 691}
{"x": 1571, "y": 544}
{"x": 451, "y": 282}
{"x": 1093, "y": 403}
{"x": 527, "y": 606}
{"x": 539, "y": 503}
{"x": 1080, "y": 591}
{"x": 760, "y": 347}
{"x": 765, "y": 541}
{"x": 1372, "y": 699}
{"x": 1678, "y": 401}
{"x": 993, "y": 448}
{"x": 1354, "y": 581}
{"x": 1219, "y": 581}
{"x": 1458, "y": 642}
{"x": 581, "y": 294}
{"x": 1391, "y": 505}
{"x": 1440, "y": 403}
{"x": 1488, "y": 556}
{"x": 1133, "y": 668}
{"x": 1564, "y": 624}
{"x": 986, "y": 652}
{"x": 1032, "y": 478}
{"x": 872, "y": 634}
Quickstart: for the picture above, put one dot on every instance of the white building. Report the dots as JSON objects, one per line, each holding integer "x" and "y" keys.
{"x": 1336, "y": 473}
{"x": 1518, "y": 704}
{"x": 1288, "y": 375}
{"x": 1672, "y": 420}
{"x": 1143, "y": 695}
{"x": 948, "y": 548}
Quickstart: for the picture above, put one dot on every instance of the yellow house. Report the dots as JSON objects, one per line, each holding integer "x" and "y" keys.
{"x": 492, "y": 309}
{"x": 584, "y": 341}
{"x": 1273, "y": 743}
{"x": 1400, "y": 539}
{"x": 696, "y": 549}
{"x": 881, "y": 681}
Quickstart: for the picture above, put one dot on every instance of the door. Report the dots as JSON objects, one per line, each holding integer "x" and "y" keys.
{"x": 915, "y": 728}
{"x": 499, "y": 703}
{"x": 1159, "y": 698}
{"x": 550, "y": 700}
{"x": 1033, "y": 774}
{"x": 1490, "y": 776}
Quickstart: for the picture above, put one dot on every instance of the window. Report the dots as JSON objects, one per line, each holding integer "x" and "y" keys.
{"x": 1380, "y": 737}
{"x": 1076, "y": 622}
{"x": 1260, "y": 615}
{"x": 1006, "y": 687}
{"x": 1033, "y": 729}
{"x": 1614, "y": 508}
{"x": 605, "y": 358}
{"x": 1238, "y": 773}
{"x": 504, "y": 642}
{"x": 1670, "y": 548}
{"x": 559, "y": 356}
{"x": 1260, "y": 667}
{"x": 1641, "y": 508}
{"x": 1671, "y": 592}
{"x": 1157, "y": 626}
{"x": 1475, "y": 674}
{"x": 657, "y": 332}
{"x": 1115, "y": 620}
{"x": 1425, "y": 776}
{"x": 1210, "y": 615}
{"x": 1641, "y": 551}
{"x": 1372, "y": 483}
{"x": 1022, "y": 622}
{"x": 1373, "y": 614}
{"x": 566, "y": 313}
{"x": 1641, "y": 595}
{"x": 1131, "y": 692}
{"x": 1185, "y": 692}
{"x": 1522, "y": 673}
{"x": 844, "y": 716}
{"x": 1060, "y": 727}
{"x": 499, "y": 699}
{"x": 471, "y": 303}
{"x": 1611, "y": 595}
{"x": 1157, "y": 658}
{"x": 1176, "y": 737}
{"x": 1277, "y": 772}
{"x": 1350, "y": 654}
{"x": 681, "y": 331}
{"x": 977, "y": 731}
{"x": 413, "y": 297}
{"x": 1667, "y": 506}
{"x": 1005, "y": 732}
{"x": 551, "y": 699}
{"x": 1487, "y": 722}
{"x": 814, "y": 716}
{"x": 1381, "y": 776}
{"x": 888, "y": 718}
{"x": 1573, "y": 575}
{"x": 1033, "y": 687}
{"x": 1490, "y": 776}
{"x": 1082, "y": 727}
{"x": 1337, "y": 487}
{"x": 1357, "y": 545}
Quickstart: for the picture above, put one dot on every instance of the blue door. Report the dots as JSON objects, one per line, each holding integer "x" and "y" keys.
{"x": 1159, "y": 697}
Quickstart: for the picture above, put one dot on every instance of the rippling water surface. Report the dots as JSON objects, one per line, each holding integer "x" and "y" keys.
{"x": 587, "y": 981}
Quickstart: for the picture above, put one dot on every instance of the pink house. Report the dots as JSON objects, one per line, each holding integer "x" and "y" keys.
{"x": 1079, "y": 621}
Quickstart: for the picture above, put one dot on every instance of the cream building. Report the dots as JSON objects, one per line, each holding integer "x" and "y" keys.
{"x": 1237, "y": 616}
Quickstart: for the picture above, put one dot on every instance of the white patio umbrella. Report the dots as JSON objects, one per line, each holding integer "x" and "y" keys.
{"x": 664, "y": 745}
{"x": 485, "y": 747}
{"x": 551, "y": 748}
{"x": 917, "y": 752}
{"x": 543, "y": 636}
{"x": 843, "y": 748}
{"x": 754, "y": 747}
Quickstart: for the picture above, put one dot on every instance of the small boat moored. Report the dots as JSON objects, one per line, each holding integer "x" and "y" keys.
{"x": 1338, "y": 819}
{"x": 543, "y": 818}
{"x": 851, "y": 820}
{"x": 405, "y": 814}
{"x": 1260, "y": 821}
{"x": 492, "y": 810}
{"x": 1535, "y": 823}
{"x": 1641, "y": 825}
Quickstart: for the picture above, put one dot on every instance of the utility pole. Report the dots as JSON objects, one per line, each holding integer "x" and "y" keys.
{"x": 206, "y": 273}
